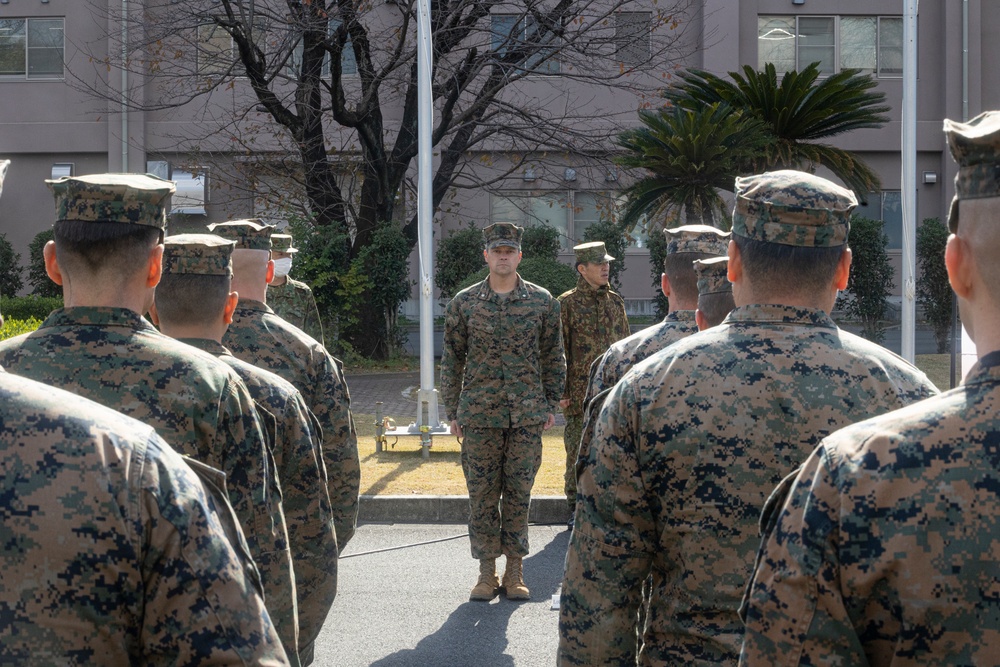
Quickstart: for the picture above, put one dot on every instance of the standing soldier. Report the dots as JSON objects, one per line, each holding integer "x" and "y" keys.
{"x": 259, "y": 337}
{"x": 106, "y": 256}
{"x": 291, "y": 299}
{"x": 502, "y": 375}
{"x": 715, "y": 292}
{"x": 194, "y": 304}
{"x": 593, "y": 317}
{"x": 690, "y": 442}
{"x": 885, "y": 552}
{"x": 680, "y": 285}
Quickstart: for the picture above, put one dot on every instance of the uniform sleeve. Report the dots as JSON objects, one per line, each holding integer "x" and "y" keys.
{"x": 312, "y": 324}
{"x": 306, "y": 500}
{"x": 340, "y": 444}
{"x": 795, "y": 612}
{"x": 200, "y": 606}
{"x": 453, "y": 358}
{"x": 565, "y": 318}
{"x": 552, "y": 357}
{"x": 610, "y": 551}
{"x": 622, "y": 329}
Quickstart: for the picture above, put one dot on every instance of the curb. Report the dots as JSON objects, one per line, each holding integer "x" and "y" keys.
{"x": 448, "y": 509}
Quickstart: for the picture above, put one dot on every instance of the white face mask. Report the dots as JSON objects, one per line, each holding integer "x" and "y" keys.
{"x": 282, "y": 267}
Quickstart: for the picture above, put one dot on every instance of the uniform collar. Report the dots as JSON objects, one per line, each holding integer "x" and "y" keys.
{"x": 986, "y": 369}
{"x": 253, "y": 306}
{"x": 486, "y": 293}
{"x": 104, "y": 316}
{"x": 583, "y": 286}
{"x": 215, "y": 348}
{"x": 770, "y": 313}
{"x": 680, "y": 316}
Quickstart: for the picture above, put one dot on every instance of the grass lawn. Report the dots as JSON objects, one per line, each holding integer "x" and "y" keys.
{"x": 400, "y": 469}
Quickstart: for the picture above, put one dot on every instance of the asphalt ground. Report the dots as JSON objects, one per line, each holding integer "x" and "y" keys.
{"x": 403, "y": 601}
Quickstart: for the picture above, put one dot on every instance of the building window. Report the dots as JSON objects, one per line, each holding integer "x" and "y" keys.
{"x": 32, "y": 48}
{"x": 348, "y": 61}
{"x": 511, "y": 32}
{"x": 217, "y": 52}
{"x": 569, "y": 212}
{"x": 873, "y": 44}
{"x": 886, "y": 206}
{"x": 632, "y": 36}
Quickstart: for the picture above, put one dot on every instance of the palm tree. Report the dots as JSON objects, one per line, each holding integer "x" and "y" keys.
{"x": 689, "y": 155}
{"x": 798, "y": 113}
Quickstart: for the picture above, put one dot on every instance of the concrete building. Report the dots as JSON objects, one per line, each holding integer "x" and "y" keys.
{"x": 55, "y": 53}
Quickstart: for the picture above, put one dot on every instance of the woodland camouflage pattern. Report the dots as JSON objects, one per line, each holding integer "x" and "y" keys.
{"x": 713, "y": 276}
{"x": 975, "y": 146}
{"x": 592, "y": 319}
{"x": 684, "y": 453}
{"x": 305, "y": 499}
{"x": 294, "y": 302}
{"x": 112, "y": 553}
{"x": 124, "y": 198}
{"x": 898, "y": 566}
{"x": 502, "y": 363}
{"x": 259, "y": 337}
{"x": 197, "y": 404}
{"x": 248, "y": 234}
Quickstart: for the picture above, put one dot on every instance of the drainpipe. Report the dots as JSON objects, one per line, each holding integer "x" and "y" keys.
{"x": 124, "y": 92}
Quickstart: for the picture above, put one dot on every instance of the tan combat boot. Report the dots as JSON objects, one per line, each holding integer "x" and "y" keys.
{"x": 486, "y": 588}
{"x": 513, "y": 580}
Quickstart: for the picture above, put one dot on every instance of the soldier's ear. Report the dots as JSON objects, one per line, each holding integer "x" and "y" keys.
{"x": 154, "y": 316}
{"x": 154, "y": 266}
{"x": 699, "y": 319}
{"x": 230, "y": 308}
{"x": 734, "y": 269}
{"x": 51, "y": 263}
{"x": 956, "y": 260}
{"x": 665, "y": 285}
{"x": 843, "y": 273}
{"x": 270, "y": 272}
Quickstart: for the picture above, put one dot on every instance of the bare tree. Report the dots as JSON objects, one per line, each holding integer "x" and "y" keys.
{"x": 323, "y": 95}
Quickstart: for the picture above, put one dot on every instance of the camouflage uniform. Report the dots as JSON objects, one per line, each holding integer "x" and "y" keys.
{"x": 198, "y": 404}
{"x": 502, "y": 374}
{"x": 686, "y": 449}
{"x": 292, "y": 431}
{"x": 259, "y": 337}
{"x": 898, "y": 564}
{"x": 592, "y": 319}
{"x": 113, "y": 554}
{"x": 293, "y": 300}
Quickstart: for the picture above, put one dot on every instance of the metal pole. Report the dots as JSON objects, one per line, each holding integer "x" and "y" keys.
{"x": 425, "y": 211}
{"x": 909, "y": 178}
{"x": 124, "y": 97}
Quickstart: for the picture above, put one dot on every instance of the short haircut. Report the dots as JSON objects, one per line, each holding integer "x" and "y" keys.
{"x": 775, "y": 268}
{"x": 714, "y": 307}
{"x": 189, "y": 299}
{"x": 93, "y": 246}
{"x": 679, "y": 268}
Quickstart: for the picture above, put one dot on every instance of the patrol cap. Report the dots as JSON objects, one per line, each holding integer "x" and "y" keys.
{"x": 503, "y": 233}
{"x": 248, "y": 234}
{"x": 283, "y": 243}
{"x": 198, "y": 254}
{"x": 134, "y": 199}
{"x": 696, "y": 238}
{"x": 793, "y": 208}
{"x": 712, "y": 275}
{"x": 594, "y": 252}
{"x": 976, "y": 148}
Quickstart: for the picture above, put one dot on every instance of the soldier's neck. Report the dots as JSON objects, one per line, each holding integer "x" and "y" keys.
{"x": 279, "y": 281}
{"x": 503, "y": 284}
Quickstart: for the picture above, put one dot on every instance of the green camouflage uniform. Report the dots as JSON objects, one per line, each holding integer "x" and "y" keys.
{"x": 502, "y": 374}
{"x": 261, "y": 338}
{"x": 592, "y": 319}
{"x": 898, "y": 565}
{"x": 304, "y": 494}
{"x": 294, "y": 301}
{"x": 689, "y": 444}
{"x": 113, "y": 554}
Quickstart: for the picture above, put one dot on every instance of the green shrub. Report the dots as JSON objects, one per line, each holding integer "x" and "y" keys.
{"x": 11, "y": 270}
{"x": 867, "y": 295}
{"x": 14, "y": 327}
{"x": 554, "y": 276}
{"x": 540, "y": 242}
{"x": 657, "y": 245}
{"x": 934, "y": 293}
{"x": 28, "y": 307}
{"x": 616, "y": 241}
{"x": 41, "y": 284}
{"x": 458, "y": 255}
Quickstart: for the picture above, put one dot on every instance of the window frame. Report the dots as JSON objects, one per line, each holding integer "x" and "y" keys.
{"x": 27, "y": 75}
{"x": 260, "y": 25}
{"x": 295, "y": 59}
{"x": 619, "y": 46}
{"x": 876, "y": 71}
{"x": 499, "y": 43}
{"x": 895, "y": 240}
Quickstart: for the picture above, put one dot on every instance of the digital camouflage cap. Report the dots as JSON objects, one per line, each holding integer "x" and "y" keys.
{"x": 248, "y": 234}
{"x": 594, "y": 253}
{"x": 134, "y": 199}
{"x": 198, "y": 254}
{"x": 713, "y": 275}
{"x": 793, "y": 208}
{"x": 503, "y": 234}
{"x": 696, "y": 238}
{"x": 975, "y": 145}
{"x": 283, "y": 243}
